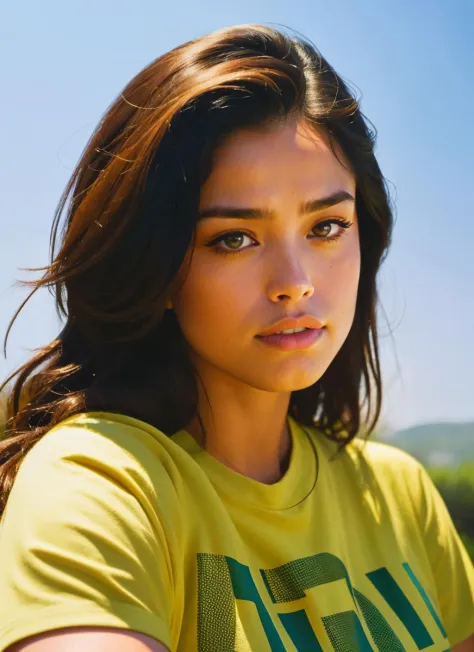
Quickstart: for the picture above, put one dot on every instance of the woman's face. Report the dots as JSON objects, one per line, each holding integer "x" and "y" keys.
{"x": 248, "y": 273}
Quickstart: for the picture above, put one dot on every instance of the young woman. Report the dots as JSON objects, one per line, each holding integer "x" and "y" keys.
{"x": 181, "y": 469}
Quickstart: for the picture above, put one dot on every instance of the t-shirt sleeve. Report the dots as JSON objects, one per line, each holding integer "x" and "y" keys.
{"x": 81, "y": 542}
{"x": 453, "y": 570}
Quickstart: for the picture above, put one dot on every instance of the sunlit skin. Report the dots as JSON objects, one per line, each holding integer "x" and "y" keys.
{"x": 284, "y": 267}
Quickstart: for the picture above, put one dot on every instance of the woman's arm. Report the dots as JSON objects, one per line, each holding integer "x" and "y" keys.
{"x": 465, "y": 646}
{"x": 89, "y": 639}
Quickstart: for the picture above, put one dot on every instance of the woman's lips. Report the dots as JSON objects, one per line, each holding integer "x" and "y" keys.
{"x": 293, "y": 341}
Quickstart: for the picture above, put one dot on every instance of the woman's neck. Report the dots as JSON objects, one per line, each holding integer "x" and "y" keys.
{"x": 247, "y": 429}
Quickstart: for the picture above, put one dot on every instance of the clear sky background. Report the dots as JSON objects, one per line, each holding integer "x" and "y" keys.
{"x": 62, "y": 63}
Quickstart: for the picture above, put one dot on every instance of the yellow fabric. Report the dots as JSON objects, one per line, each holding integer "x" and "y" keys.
{"x": 112, "y": 523}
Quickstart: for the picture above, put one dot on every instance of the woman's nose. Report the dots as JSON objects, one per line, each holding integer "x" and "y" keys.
{"x": 290, "y": 282}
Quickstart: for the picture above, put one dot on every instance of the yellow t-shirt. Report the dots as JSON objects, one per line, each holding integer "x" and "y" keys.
{"x": 112, "y": 523}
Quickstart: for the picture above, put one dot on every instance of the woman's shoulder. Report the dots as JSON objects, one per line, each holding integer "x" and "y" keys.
{"x": 361, "y": 450}
{"x": 115, "y": 434}
{"x": 378, "y": 473}
{"x": 372, "y": 463}
{"x": 120, "y": 449}
{"x": 390, "y": 467}
{"x": 383, "y": 453}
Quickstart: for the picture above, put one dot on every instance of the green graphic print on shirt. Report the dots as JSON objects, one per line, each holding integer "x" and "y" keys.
{"x": 223, "y": 580}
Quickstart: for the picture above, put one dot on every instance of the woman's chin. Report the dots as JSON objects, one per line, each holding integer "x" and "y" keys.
{"x": 285, "y": 382}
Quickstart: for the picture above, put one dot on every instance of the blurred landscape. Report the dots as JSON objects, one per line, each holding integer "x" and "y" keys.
{"x": 445, "y": 449}
{"x": 437, "y": 444}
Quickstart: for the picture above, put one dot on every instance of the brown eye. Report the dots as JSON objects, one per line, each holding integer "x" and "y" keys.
{"x": 233, "y": 240}
{"x": 326, "y": 226}
{"x": 329, "y": 235}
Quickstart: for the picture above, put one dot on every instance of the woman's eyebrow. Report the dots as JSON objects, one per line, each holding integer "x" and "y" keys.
{"x": 310, "y": 206}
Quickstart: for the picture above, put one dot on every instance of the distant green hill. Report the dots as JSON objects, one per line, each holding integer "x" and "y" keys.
{"x": 437, "y": 444}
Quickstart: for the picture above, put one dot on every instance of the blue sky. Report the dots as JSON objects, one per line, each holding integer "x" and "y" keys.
{"x": 412, "y": 66}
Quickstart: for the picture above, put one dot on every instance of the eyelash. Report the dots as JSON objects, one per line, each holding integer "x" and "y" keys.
{"x": 344, "y": 224}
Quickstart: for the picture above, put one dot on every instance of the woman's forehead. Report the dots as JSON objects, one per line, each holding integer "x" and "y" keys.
{"x": 239, "y": 184}
{"x": 253, "y": 160}
{"x": 249, "y": 145}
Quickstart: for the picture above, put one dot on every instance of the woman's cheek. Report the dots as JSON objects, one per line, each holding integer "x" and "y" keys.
{"x": 208, "y": 305}
{"x": 343, "y": 296}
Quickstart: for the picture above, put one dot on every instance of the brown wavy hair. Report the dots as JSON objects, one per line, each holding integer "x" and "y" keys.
{"x": 130, "y": 219}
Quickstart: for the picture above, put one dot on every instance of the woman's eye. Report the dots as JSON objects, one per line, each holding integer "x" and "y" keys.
{"x": 329, "y": 234}
{"x": 327, "y": 226}
{"x": 229, "y": 242}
